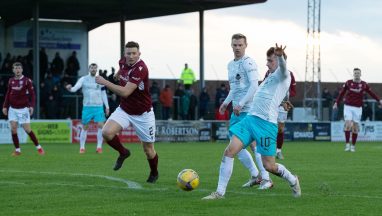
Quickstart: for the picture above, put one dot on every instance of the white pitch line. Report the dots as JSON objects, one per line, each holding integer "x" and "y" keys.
{"x": 135, "y": 185}
{"x": 130, "y": 184}
{"x": 82, "y": 185}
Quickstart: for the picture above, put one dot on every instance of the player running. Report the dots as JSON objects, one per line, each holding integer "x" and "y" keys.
{"x": 354, "y": 90}
{"x": 135, "y": 109}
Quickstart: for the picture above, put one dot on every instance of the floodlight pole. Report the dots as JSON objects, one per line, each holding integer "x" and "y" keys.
{"x": 36, "y": 56}
{"x": 201, "y": 49}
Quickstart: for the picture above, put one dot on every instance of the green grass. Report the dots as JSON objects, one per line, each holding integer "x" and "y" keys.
{"x": 63, "y": 182}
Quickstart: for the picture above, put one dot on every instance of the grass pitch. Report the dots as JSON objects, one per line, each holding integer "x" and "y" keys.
{"x": 63, "y": 182}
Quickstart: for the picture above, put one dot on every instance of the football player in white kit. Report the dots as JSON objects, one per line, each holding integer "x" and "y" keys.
{"x": 243, "y": 81}
{"x": 94, "y": 99}
{"x": 260, "y": 125}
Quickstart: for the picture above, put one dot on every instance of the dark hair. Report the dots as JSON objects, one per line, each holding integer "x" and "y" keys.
{"x": 16, "y": 64}
{"x": 271, "y": 51}
{"x": 93, "y": 64}
{"x": 356, "y": 69}
{"x": 132, "y": 44}
{"x": 239, "y": 36}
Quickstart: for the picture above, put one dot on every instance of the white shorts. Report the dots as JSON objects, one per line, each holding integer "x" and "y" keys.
{"x": 352, "y": 113}
{"x": 144, "y": 124}
{"x": 19, "y": 115}
{"x": 283, "y": 115}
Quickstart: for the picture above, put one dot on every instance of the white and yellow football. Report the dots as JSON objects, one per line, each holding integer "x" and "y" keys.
{"x": 188, "y": 180}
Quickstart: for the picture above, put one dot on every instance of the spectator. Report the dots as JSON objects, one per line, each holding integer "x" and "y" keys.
{"x": 179, "y": 92}
{"x": 43, "y": 63}
{"x": 327, "y": 100}
{"x": 221, "y": 94}
{"x": 57, "y": 68}
{"x": 44, "y": 95}
{"x": 185, "y": 105}
{"x": 367, "y": 112}
{"x": 113, "y": 102}
{"x": 3, "y": 90}
{"x": 72, "y": 66}
{"x": 204, "y": 99}
{"x": 7, "y": 64}
{"x": 336, "y": 111}
{"x": 155, "y": 92}
{"x": 166, "y": 99}
{"x": 51, "y": 107}
{"x": 187, "y": 77}
{"x": 192, "y": 106}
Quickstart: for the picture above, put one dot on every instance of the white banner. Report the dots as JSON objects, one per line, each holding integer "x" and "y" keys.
{"x": 6, "y": 136}
{"x": 369, "y": 131}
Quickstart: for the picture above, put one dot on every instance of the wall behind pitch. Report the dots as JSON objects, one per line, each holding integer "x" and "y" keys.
{"x": 62, "y": 37}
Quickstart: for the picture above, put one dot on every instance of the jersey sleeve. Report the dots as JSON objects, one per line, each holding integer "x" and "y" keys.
{"x": 292, "y": 87}
{"x": 31, "y": 93}
{"x": 370, "y": 92}
{"x": 78, "y": 85}
{"x": 138, "y": 75}
{"x": 6, "y": 100}
{"x": 342, "y": 92}
{"x": 250, "y": 68}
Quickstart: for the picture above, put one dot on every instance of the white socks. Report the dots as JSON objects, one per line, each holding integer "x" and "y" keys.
{"x": 246, "y": 159}
{"x": 286, "y": 174}
{"x": 83, "y": 136}
{"x": 99, "y": 138}
{"x": 18, "y": 150}
{"x": 225, "y": 173}
{"x": 38, "y": 147}
{"x": 264, "y": 173}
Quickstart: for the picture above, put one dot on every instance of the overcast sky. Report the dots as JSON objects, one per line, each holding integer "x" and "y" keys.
{"x": 351, "y": 36}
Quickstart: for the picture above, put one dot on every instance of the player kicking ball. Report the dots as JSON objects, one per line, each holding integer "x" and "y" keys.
{"x": 260, "y": 125}
{"x": 18, "y": 106}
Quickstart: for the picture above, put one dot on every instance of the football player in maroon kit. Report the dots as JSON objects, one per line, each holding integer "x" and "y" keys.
{"x": 135, "y": 108}
{"x": 354, "y": 90}
{"x": 283, "y": 108}
{"x": 18, "y": 105}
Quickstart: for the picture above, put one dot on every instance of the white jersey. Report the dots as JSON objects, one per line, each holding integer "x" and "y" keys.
{"x": 271, "y": 93}
{"x": 243, "y": 79}
{"x": 94, "y": 94}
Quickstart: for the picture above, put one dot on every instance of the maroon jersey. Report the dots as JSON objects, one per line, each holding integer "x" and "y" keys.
{"x": 19, "y": 92}
{"x": 140, "y": 100}
{"x": 355, "y": 90}
{"x": 292, "y": 87}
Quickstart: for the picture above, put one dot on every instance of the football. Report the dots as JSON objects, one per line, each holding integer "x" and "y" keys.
{"x": 188, "y": 180}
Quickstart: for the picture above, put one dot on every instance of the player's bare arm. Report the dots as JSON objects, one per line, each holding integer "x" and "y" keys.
{"x": 123, "y": 91}
{"x": 287, "y": 105}
{"x": 237, "y": 110}
{"x": 68, "y": 87}
{"x": 5, "y": 111}
{"x": 335, "y": 106}
{"x": 31, "y": 110}
{"x": 222, "y": 108}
